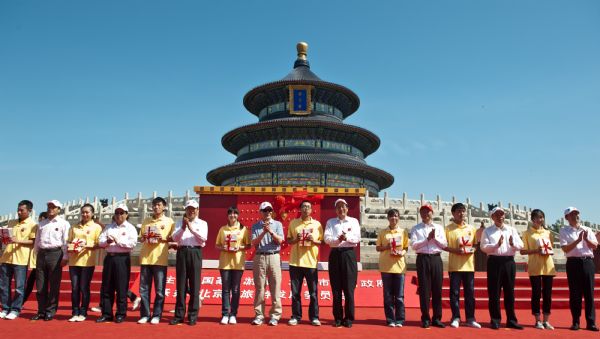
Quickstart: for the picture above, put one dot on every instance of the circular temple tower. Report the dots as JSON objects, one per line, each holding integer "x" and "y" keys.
{"x": 301, "y": 139}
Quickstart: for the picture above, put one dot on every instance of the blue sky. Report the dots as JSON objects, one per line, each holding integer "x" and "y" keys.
{"x": 492, "y": 100}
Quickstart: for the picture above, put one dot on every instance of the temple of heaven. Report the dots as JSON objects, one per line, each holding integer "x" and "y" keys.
{"x": 300, "y": 138}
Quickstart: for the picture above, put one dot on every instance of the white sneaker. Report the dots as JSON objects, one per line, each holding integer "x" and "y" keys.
{"x": 136, "y": 303}
{"x": 257, "y": 321}
{"x": 224, "y": 320}
{"x": 2, "y": 314}
{"x": 315, "y": 322}
{"x": 96, "y": 309}
{"x": 455, "y": 323}
{"x": 398, "y": 324}
{"x": 232, "y": 320}
{"x": 12, "y": 316}
{"x": 74, "y": 319}
{"x": 155, "y": 320}
{"x": 81, "y": 318}
{"x": 391, "y": 324}
{"x": 143, "y": 320}
{"x": 473, "y": 324}
{"x": 293, "y": 322}
{"x": 273, "y": 322}
{"x": 547, "y": 325}
{"x": 538, "y": 325}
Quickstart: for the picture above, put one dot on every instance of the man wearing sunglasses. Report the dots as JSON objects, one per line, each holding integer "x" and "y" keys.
{"x": 267, "y": 235}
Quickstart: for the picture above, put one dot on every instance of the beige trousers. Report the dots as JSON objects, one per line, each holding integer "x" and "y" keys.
{"x": 267, "y": 268}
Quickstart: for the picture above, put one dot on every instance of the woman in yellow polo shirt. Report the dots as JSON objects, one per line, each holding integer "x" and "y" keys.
{"x": 538, "y": 243}
{"x": 392, "y": 243}
{"x": 233, "y": 240}
{"x": 82, "y": 244}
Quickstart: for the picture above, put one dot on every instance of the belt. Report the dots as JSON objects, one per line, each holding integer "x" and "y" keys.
{"x": 580, "y": 258}
{"x": 428, "y": 255}
{"x": 110, "y": 254}
{"x": 188, "y": 247}
{"x": 343, "y": 249}
{"x": 51, "y": 249}
{"x": 268, "y": 253}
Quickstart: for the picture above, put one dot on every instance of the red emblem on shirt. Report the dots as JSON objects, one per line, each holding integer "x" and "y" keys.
{"x": 56, "y": 229}
{"x": 123, "y": 234}
{"x": 88, "y": 232}
{"x": 162, "y": 227}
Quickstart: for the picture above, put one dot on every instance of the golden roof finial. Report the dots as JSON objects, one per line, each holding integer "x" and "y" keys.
{"x": 302, "y": 48}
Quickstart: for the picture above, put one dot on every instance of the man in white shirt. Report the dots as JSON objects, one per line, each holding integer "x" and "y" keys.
{"x": 501, "y": 242}
{"x": 578, "y": 242}
{"x": 428, "y": 240}
{"x": 51, "y": 247}
{"x": 190, "y": 234}
{"x": 118, "y": 239}
{"x": 342, "y": 234}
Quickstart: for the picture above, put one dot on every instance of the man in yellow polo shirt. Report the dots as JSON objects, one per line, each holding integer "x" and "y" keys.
{"x": 461, "y": 265}
{"x": 154, "y": 259}
{"x": 305, "y": 234}
{"x": 14, "y": 261}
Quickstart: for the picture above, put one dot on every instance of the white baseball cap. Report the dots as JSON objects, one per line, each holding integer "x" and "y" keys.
{"x": 122, "y": 207}
{"x": 55, "y": 203}
{"x": 497, "y": 209}
{"x": 265, "y": 204}
{"x": 570, "y": 210}
{"x": 340, "y": 200}
{"x": 192, "y": 203}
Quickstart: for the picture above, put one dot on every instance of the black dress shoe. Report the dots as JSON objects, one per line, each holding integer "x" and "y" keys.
{"x": 119, "y": 320}
{"x": 104, "y": 319}
{"x": 192, "y": 322}
{"x": 48, "y": 317}
{"x": 425, "y": 323}
{"x": 574, "y": 327}
{"x": 38, "y": 316}
{"x": 337, "y": 323}
{"x": 175, "y": 321}
{"x": 514, "y": 325}
{"x": 592, "y": 328}
{"x": 348, "y": 323}
{"x": 495, "y": 326}
{"x": 438, "y": 323}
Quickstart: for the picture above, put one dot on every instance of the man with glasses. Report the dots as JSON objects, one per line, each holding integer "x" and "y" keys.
{"x": 342, "y": 234}
{"x": 14, "y": 261}
{"x": 51, "y": 247}
{"x": 118, "y": 239}
{"x": 304, "y": 235}
{"x": 267, "y": 235}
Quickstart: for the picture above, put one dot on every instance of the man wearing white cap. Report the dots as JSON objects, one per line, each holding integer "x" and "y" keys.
{"x": 342, "y": 234}
{"x": 190, "y": 234}
{"x": 267, "y": 235}
{"x": 51, "y": 247}
{"x": 428, "y": 239}
{"x": 501, "y": 242}
{"x": 578, "y": 242}
{"x": 118, "y": 239}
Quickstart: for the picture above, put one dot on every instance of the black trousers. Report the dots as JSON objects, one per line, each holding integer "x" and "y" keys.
{"x": 541, "y": 285}
{"x": 48, "y": 277}
{"x": 580, "y": 275}
{"x": 297, "y": 276}
{"x": 29, "y": 285}
{"x": 115, "y": 279}
{"x": 430, "y": 272}
{"x": 81, "y": 278}
{"x": 343, "y": 273}
{"x": 501, "y": 272}
{"x": 188, "y": 268}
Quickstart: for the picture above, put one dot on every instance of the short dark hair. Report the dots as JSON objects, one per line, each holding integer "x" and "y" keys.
{"x": 159, "y": 199}
{"x": 458, "y": 205}
{"x": 537, "y": 213}
{"x": 88, "y": 205}
{"x": 303, "y": 201}
{"x": 26, "y": 203}
{"x": 392, "y": 211}
{"x": 233, "y": 209}
{"x": 43, "y": 215}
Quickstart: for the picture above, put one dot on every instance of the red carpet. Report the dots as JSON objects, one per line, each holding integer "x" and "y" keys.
{"x": 370, "y": 323}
